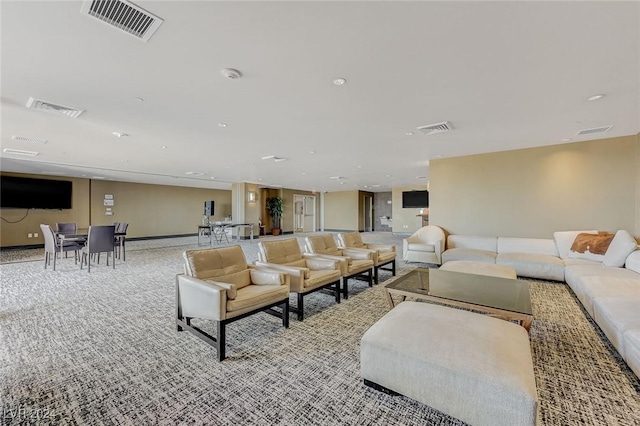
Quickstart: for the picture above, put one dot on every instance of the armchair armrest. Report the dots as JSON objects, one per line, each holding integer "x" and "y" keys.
{"x": 293, "y": 271}
{"x": 200, "y": 299}
{"x": 382, "y": 247}
{"x": 268, "y": 277}
{"x": 343, "y": 261}
{"x": 320, "y": 264}
{"x": 358, "y": 254}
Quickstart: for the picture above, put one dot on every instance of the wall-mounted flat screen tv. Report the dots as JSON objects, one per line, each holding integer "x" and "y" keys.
{"x": 412, "y": 199}
{"x": 28, "y": 193}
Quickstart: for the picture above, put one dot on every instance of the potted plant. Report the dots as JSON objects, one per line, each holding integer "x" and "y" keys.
{"x": 274, "y": 208}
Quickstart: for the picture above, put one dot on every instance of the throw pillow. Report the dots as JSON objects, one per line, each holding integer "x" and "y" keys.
{"x": 623, "y": 245}
{"x": 633, "y": 261}
{"x": 564, "y": 239}
{"x": 590, "y": 246}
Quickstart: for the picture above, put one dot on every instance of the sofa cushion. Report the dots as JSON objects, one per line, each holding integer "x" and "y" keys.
{"x": 469, "y": 254}
{"x": 422, "y": 247}
{"x": 473, "y": 242}
{"x": 479, "y": 268}
{"x": 527, "y": 245}
{"x": 632, "y": 349}
{"x": 575, "y": 274}
{"x": 564, "y": 240}
{"x": 633, "y": 262}
{"x": 597, "y": 286}
{"x": 590, "y": 246}
{"x": 622, "y": 245}
{"x": 541, "y": 266}
{"x": 615, "y": 315}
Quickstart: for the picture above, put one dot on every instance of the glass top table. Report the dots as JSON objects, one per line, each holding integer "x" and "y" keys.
{"x": 504, "y": 298}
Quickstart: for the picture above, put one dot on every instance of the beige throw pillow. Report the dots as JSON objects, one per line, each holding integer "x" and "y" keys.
{"x": 623, "y": 245}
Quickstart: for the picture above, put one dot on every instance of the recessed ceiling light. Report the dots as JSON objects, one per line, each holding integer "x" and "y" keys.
{"x": 119, "y": 134}
{"x": 163, "y": 147}
{"x": 389, "y": 175}
{"x": 98, "y": 177}
{"x": 53, "y": 173}
{"x": 566, "y": 139}
{"x": 213, "y": 177}
{"x": 421, "y": 177}
{"x": 231, "y": 73}
{"x": 339, "y": 81}
{"x": 222, "y": 124}
{"x": 312, "y": 152}
{"x": 303, "y": 174}
{"x": 409, "y": 134}
{"x": 438, "y": 156}
{"x": 194, "y": 173}
{"x": 138, "y": 99}
{"x": 336, "y": 177}
{"x": 341, "y": 183}
{"x": 595, "y": 97}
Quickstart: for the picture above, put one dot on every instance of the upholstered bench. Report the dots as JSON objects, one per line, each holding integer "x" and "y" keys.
{"x": 480, "y": 268}
{"x": 472, "y": 367}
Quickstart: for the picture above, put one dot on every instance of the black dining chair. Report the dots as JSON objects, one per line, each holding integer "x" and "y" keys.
{"x": 52, "y": 246}
{"x": 99, "y": 240}
{"x": 121, "y": 230}
{"x": 70, "y": 227}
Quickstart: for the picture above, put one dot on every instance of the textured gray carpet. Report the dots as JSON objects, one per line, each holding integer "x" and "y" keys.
{"x": 101, "y": 348}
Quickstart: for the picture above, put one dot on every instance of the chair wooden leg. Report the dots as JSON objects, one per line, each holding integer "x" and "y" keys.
{"x": 345, "y": 288}
{"x": 285, "y": 314}
{"x": 220, "y": 340}
{"x": 300, "y": 307}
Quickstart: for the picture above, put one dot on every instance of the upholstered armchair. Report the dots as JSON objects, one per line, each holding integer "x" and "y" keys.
{"x": 384, "y": 254}
{"x": 353, "y": 263}
{"x": 218, "y": 285}
{"x": 308, "y": 273}
{"x": 425, "y": 245}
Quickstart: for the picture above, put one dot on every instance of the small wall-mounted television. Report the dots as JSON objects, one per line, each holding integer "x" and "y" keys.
{"x": 413, "y": 199}
{"x": 27, "y": 193}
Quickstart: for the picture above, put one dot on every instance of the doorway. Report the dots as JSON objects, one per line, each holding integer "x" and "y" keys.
{"x": 304, "y": 213}
{"x": 368, "y": 213}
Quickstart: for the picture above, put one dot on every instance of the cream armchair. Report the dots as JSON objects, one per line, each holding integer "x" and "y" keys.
{"x": 308, "y": 273}
{"x": 353, "y": 263}
{"x": 425, "y": 245}
{"x": 218, "y": 285}
{"x": 384, "y": 254}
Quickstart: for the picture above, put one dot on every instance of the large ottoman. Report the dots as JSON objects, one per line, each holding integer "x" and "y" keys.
{"x": 473, "y": 367}
{"x": 480, "y": 268}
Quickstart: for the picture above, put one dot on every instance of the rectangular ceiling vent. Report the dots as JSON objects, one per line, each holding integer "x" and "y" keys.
{"x": 431, "y": 129}
{"x": 20, "y": 152}
{"x": 41, "y": 105}
{"x": 28, "y": 139}
{"x": 596, "y": 130}
{"x": 124, "y": 16}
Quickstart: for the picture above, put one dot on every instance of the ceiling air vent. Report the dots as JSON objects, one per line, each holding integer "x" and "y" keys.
{"x": 124, "y": 16}
{"x": 431, "y": 129}
{"x": 28, "y": 139}
{"x": 41, "y": 105}
{"x": 596, "y": 130}
{"x": 20, "y": 152}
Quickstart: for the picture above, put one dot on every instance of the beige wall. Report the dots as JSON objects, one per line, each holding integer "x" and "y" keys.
{"x": 406, "y": 221}
{"x": 534, "y": 192}
{"x": 341, "y": 210}
{"x": 150, "y": 210}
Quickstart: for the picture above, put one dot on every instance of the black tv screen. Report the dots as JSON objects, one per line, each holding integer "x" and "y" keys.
{"x": 28, "y": 193}
{"x": 412, "y": 199}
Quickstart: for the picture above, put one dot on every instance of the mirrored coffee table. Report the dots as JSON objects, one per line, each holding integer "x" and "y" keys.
{"x": 503, "y": 298}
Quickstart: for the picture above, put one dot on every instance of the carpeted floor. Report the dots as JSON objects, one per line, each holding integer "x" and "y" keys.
{"x": 101, "y": 348}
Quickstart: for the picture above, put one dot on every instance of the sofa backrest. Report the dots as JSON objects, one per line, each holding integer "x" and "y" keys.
{"x": 473, "y": 242}
{"x": 527, "y": 245}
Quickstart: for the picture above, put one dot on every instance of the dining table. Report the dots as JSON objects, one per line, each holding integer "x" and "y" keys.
{"x": 80, "y": 235}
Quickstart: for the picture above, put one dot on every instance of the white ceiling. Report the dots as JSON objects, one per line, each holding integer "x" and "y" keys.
{"x": 506, "y": 75}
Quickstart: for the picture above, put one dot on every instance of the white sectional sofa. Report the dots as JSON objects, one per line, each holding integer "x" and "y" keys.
{"x": 607, "y": 285}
